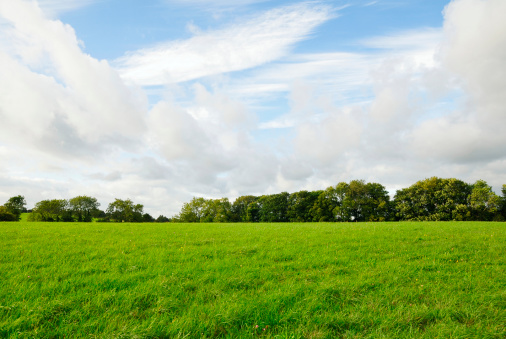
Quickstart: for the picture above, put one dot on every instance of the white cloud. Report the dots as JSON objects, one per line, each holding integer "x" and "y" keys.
{"x": 55, "y": 7}
{"x": 56, "y": 97}
{"x": 241, "y": 46}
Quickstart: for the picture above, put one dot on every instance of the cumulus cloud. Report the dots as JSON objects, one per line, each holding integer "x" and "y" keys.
{"x": 56, "y": 97}
{"x": 474, "y": 53}
{"x": 243, "y": 45}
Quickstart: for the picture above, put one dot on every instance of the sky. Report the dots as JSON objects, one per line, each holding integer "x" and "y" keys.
{"x": 159, "y": 101}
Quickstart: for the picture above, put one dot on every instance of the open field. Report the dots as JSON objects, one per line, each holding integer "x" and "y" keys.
{"x": 365, "y": 280}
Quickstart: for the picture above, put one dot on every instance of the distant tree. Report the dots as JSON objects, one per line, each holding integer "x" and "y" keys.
{"x": 324, "y": 208}
{"x": 84, "y": 208}
{"x": 274, "y": 207}
{"x": 503, "y": 202}
{"x": 162, "y": 218}
{"x": 16, "y": 206}
{"x": 239, "y": 208}
{"x": 6, "y": 215}
{"x": 253, "y": 212}
{"x": 483, "y": 202}
{"x": 125, "y": 210}
{"x": 147, "y": 218}
{"x": 51, "y": 210}
{"x": 191, "y": 211}
{"x": 433, "y": 199}
{"x": 300, "y": 204}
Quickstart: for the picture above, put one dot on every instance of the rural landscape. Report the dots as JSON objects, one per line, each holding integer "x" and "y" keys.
{"x": 109, "y": 278}
{"x": 284, "y": 169}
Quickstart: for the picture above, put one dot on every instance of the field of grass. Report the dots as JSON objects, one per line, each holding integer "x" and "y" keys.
{"x": 366, "y": 280}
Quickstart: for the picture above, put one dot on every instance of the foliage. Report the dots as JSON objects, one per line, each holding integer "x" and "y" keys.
{"x": 84, "y": 208}
{"x": 125, "y": 211}
{"x": 6, "y": 215}
{"x": 14, "y": 206}
{"x": 51, "y": 210}
{"x": 433, "y": 199}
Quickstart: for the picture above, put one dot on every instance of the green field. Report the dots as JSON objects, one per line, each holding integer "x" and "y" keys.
{"x": 347, "y": 280}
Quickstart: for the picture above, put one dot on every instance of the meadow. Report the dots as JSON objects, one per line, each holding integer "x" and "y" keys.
{"x": 297, "y": 280}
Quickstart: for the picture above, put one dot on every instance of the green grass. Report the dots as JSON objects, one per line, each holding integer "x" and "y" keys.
{"x": 366, "y": 280}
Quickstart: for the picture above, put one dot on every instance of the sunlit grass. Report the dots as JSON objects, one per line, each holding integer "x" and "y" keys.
{"x": 365, "y": 280}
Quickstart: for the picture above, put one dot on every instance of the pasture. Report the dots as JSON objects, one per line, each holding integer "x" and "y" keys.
{"x": 314, "y": 280}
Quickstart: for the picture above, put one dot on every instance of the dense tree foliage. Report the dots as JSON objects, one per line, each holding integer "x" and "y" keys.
{"x": 12, "y": 209}
{"x": 430, "y": 199}
{"x": 125, "y": 211}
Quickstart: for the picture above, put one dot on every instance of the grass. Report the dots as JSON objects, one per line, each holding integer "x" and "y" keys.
{"x": 366, "y": 280}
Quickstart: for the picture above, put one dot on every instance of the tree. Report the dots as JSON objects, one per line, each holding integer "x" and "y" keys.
{"x": 300, "y": 204}
{"x": 433, "y": 199}
{"x": 503, "y": 202}
{"x": 51, "y": 210}
{"x": 16, "y": 206}
{"x": 84, "y": 208}
{"x": 483, "y": 202}
{"x": 125, "y": 211}
{"x": 274, "y": 207}
{"x": 162, "y": 218}
{"x": 6, "y": 215}
{"x": 192, "y": 211}
{"x": 146, "y": 217}
{"x": 239, "y": 208}
{"x": 325, "y": 204}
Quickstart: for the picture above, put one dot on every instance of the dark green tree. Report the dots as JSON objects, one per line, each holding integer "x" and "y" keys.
{"x": 125, "y": 211}
{"x": 300, "y": 204}
{"x": 16, "y": 206}
{"x": 84, "y": 208}
{"x": 274, "y": 207}
{"x": 240, "y": 208}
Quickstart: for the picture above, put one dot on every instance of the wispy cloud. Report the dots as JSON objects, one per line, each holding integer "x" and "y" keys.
{"x": 55, "y": 7}
{"x": 257, "y": 41}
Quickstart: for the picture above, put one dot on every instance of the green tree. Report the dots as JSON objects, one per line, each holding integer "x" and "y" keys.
{"x": 325, "y": 204}
{"x": 84, "y": 208}
{"x": 433, "y": 199}
{"x": 16, "y": 206}
{"x": 51, "y": 210}
{"x": 125, "y": 211}
{"x": 274, "y": 207}
{"x": 6, "y": 215}
{"x": 191, "y": 211}
{"x": 503, "y": 202}
{"x": 300, "y": 204}
{"x": 240, "y": 208}
{"x": 483, "y": 202}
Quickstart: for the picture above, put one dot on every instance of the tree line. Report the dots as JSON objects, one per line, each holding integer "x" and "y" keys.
{"x": 432, "y": 199}
{"x": 77, "y": 209}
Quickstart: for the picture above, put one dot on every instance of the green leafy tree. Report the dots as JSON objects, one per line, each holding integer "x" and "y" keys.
{"x": 51, "y": 210}
{"x": 16, "y": 206}
{"x": 125, "y": 210}
{"x": 84, "y": 208}
{"x": 240, "y": 208}
{"x": 6, "y": 215}
{"x": 483, "y": 202}
{"x": 300, "y": 204}
{"x": 162, "y": 218}
{"x": 433, "y": 199}
{"x": 274, "y": 207}
{"x": 325, "y": 204}
{"x": 192, "y": 211}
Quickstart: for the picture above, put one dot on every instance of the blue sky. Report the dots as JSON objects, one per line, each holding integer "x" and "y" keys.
{"x": 162, "y": 100}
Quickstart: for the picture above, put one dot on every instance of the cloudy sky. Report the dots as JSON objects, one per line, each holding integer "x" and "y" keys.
{"x": 162, "y": 100}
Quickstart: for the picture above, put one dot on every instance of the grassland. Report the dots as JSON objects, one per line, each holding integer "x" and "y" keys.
{"x": 366, "y": 280}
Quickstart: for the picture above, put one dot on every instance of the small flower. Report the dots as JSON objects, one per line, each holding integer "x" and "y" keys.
{"x": 256, "y": 326}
